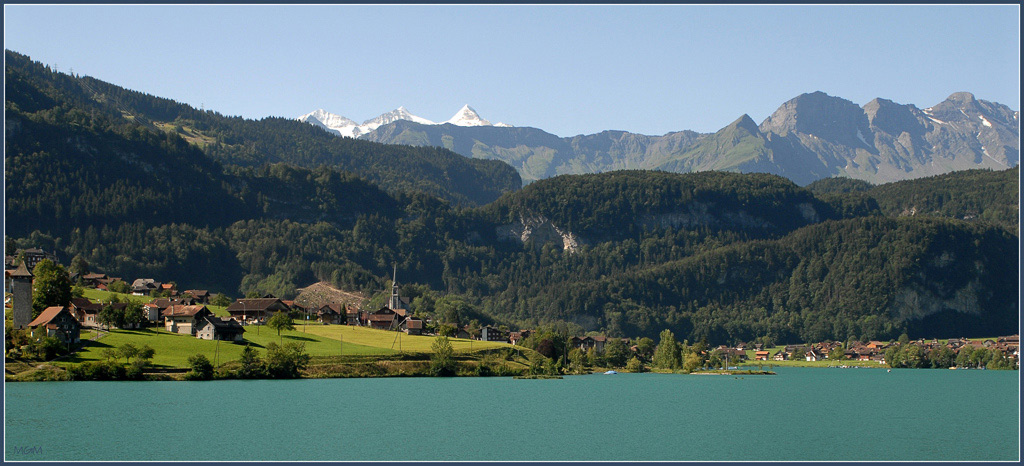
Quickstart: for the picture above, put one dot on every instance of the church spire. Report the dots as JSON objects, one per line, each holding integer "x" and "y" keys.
{"x": 394, "y": 304}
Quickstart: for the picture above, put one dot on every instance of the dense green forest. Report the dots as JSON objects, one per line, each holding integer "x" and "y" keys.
{"x": 972, "y": 195}
{"x": 33, "y": 88}
{"x": 713, "y": 255}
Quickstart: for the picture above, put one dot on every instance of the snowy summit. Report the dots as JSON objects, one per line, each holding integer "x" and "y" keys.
{"x": 345, "y": 127}
{"x": 466, "y": 116}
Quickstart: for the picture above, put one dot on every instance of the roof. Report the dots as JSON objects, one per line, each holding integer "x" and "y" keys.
{"x": 223, "y": 324}
{"x": 330, "y": 308}
{"x": 21, "y": 271}
{"x": 256, "y": 304}
{"x": 179, "y": 310}
{"x": 381, "y": 317}
{"x": 86, "y": 305}
{"x": 94, "y": 276}
{"x": 198, "y": 293}
{"x": 47, "y": 315}
{"x": 414, "y": 323}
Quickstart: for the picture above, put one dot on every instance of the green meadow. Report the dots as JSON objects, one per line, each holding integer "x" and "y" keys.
{"x": 172, "y": 350}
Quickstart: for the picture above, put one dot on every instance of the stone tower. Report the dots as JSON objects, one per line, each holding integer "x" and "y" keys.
{"x": 21, "y": 280}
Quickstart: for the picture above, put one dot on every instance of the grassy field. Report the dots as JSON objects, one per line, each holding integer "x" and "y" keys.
{"x": 386, "y": 339}
{"x": 101, "y": 295}
{"x": 173, "y": 350}
{"x": 219, "y": 311}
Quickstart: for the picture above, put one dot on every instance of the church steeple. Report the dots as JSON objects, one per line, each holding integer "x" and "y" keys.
{"x": 395, "y": 302}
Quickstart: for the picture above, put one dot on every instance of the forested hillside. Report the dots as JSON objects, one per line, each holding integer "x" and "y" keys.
{"x": 721, "y": 256}
{"x": 33, "y": 88}
{"x": 973, "y": 195}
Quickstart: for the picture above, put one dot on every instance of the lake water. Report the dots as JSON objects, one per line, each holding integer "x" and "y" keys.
{"x": 799, "y": 414}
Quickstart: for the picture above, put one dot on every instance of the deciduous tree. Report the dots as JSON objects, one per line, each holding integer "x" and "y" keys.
{"x": 281, "y": 321}
{"x": 50, "y": 287}
{"x": 442, "y": 357}
{"x": 666, "y": 355}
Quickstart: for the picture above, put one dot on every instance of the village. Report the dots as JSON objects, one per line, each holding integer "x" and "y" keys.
{"x": 188, "y": 312}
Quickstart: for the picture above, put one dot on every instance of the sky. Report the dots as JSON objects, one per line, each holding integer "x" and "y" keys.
{"x": 567, "y": 69}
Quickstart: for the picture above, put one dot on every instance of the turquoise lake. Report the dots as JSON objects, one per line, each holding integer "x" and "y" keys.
{"x": 799, "y": 414}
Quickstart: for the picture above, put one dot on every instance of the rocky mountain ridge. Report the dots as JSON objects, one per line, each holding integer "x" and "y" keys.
{"x": 809, "y": 137}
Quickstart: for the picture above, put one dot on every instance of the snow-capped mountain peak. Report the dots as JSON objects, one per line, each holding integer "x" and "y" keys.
{"x": 342, "y": 126}
{"x": 400, "y": 113}
{"x": 327, "y": 120}
{"x": 466, "y": 116}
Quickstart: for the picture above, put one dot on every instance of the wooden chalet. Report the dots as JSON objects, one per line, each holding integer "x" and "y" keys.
{"x": 102, "y": 283}
{"x": 354, "y": 316}
{"x": 255, "y": 310}
{"x": 93, "y": 279}
{"x": 735, "y": 353}
{"x": 144, "y": 286}
{"x": 58, "y": 322}
{"x": 184, "y": 319}
{"x": 761, "y": 355}
{"x": 412, "y": 326}
{"x": 200, "y": 296}
{"x": 170, "y": 288}
{"x": 383, "y": 319}
{"x": 463, "y": 332}
{"x": 85, "y": 312}
{"x": 331, "y": 314}
{"x": 33, "y": 256}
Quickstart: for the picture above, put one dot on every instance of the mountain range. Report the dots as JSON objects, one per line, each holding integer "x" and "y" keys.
{"x": 143, "y": 186}
{"x": 342, "y": 126}
{"x": 810, "y": 137}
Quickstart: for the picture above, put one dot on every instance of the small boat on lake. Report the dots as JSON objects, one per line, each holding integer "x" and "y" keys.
{"x": 611, "y": 372}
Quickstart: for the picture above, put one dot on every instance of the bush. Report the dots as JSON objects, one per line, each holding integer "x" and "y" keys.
{"x": 220, "y": 299}
{"x": 634, "y": 365}
{"x": 202, "y": 369}
{"x": 119, "y": 286}
{"x": 251, "y": 365}
{"x": 286, "y": 362}
{"x": 136, "y": 368}
{"x": 47, "y": 348}
{"x": 97, "y": 370}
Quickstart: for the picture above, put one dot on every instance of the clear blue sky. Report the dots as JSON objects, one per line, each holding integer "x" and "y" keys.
{"x": 565, "y": 69}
